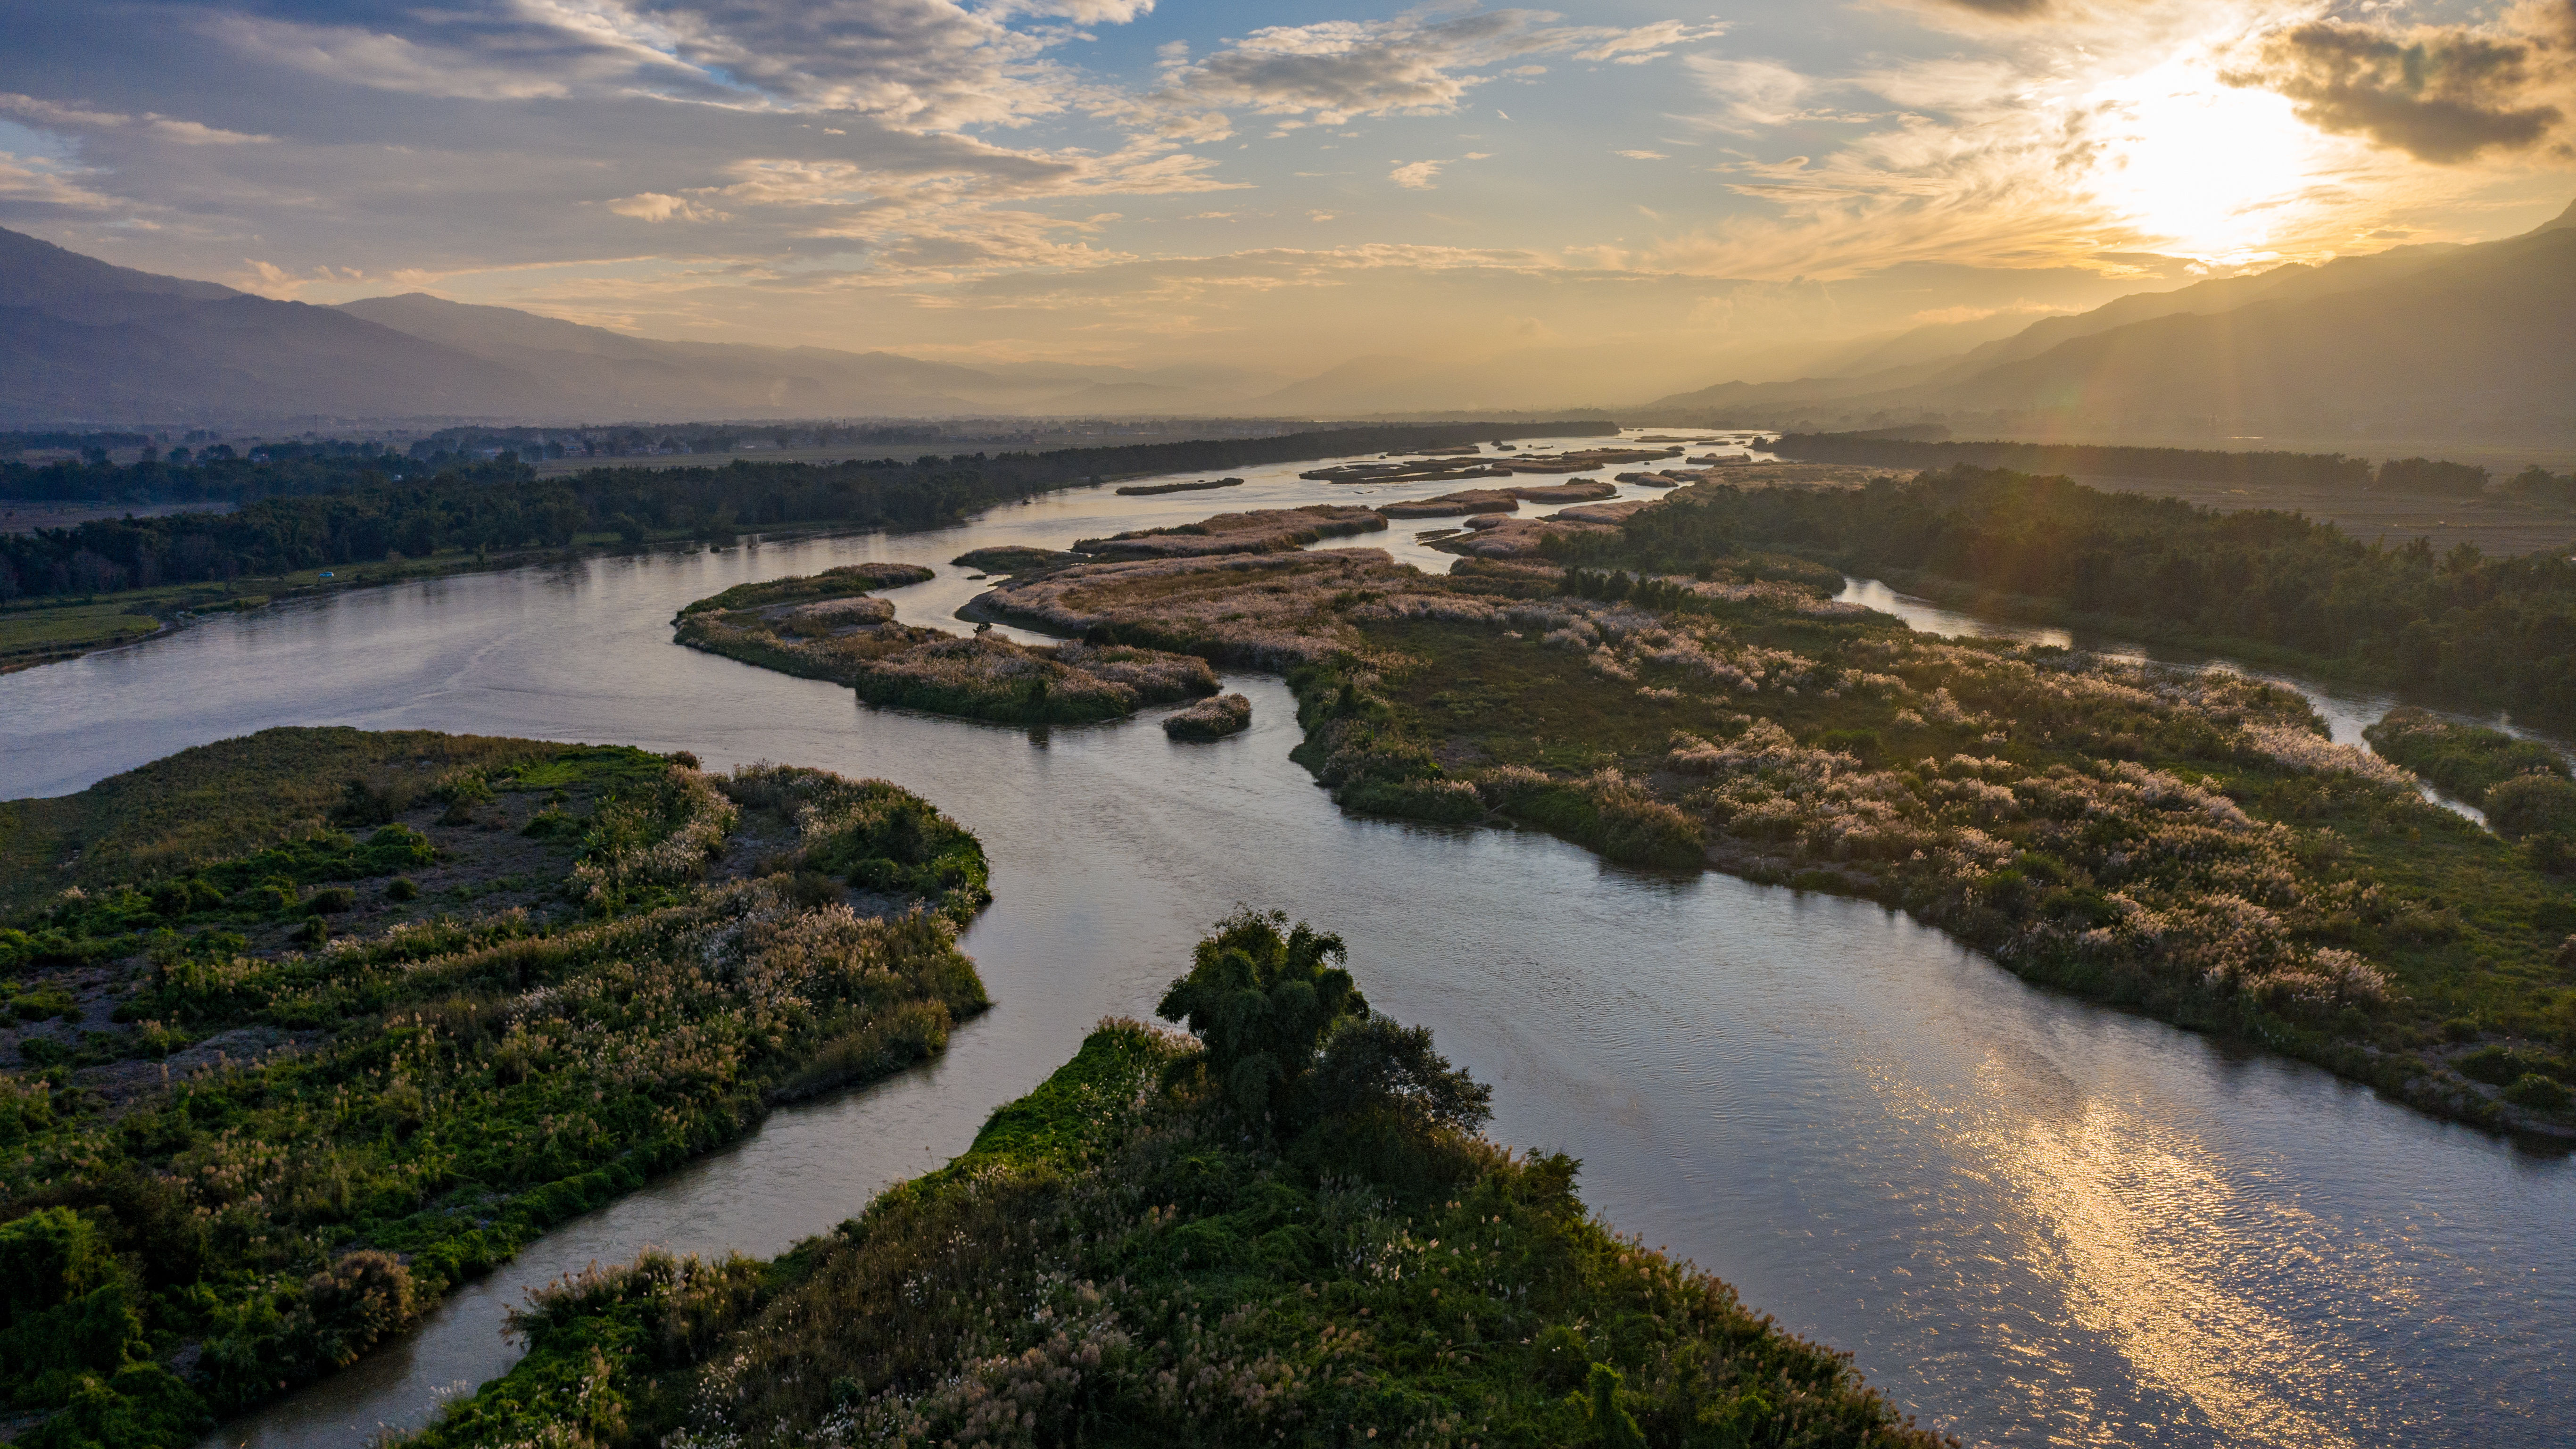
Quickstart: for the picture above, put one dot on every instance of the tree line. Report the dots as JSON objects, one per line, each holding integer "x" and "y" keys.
{"x": 2495, "y": 632}
{"x": 324, "y": 511}
{"x": 2186, "y": 465}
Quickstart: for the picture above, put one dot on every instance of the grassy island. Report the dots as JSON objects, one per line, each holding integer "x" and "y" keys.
{"x": 1014, "y": 559}
{"x": 1210, "y": 719}
{"x": 827, "y": 627}
{"x": 2186, "y": 844}
{"x": 1267, "y": 530}
{"x": 1580, "y": 490}
{"x": 1454, "y": 505}
{"x": 1280, "y": 1228}
{"x": 1151, "y": 490}
{"x": 306, "y": 1028}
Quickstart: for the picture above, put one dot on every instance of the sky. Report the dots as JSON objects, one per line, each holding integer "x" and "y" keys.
{"x": 1279, "y": 187}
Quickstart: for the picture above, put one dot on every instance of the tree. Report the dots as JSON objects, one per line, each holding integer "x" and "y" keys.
{"x": 1261, "y": 1002}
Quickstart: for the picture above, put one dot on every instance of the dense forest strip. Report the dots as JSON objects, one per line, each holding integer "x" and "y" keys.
{"x": 337, "y": 1020}
{"x": 2194, "y": 465}
{"x": 2460, "y": 628}
{"x": 1286, "y": 1231}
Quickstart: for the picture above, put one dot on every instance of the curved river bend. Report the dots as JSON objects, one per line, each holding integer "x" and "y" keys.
{"x": 2030, "y": 1220}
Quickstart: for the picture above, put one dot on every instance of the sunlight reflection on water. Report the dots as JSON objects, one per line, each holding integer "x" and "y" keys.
{"x": 2031, "y": 1220}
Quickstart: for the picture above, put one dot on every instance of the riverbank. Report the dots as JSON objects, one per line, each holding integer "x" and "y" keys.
{"x": 2454, "y": 628}
{"x": 832, "y": 627}
{"x": 2182, "y": 844}
{"x": 1992, "y": 1194}
{"x": 278, "y": 1089}
{"x": 1140, "y": 1248}
{"x": 348, "y": 518}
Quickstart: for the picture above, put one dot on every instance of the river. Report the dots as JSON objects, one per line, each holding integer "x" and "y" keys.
{"x": 2030, "y": 1220}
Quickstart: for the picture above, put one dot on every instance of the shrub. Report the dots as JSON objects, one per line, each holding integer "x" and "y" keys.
{"x": 2542, "y": 1094}
{"x": 2530, "y": 804}
{"x": 1446, "y": 802}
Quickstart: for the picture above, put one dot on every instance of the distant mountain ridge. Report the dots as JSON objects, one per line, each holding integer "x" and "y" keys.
{"x": 2443, "y": 334}
{"x": 84, "y": 340}
{"x": 2461, "y": 335}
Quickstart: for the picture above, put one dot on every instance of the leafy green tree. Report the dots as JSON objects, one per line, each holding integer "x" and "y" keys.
{"x": 1261, "y": 1000}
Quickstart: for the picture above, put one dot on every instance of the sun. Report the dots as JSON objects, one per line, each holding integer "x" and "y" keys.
{"x": 2200, "y": 168}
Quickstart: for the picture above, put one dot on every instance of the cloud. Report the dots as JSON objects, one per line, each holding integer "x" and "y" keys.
{"x": 2441, "y": 94}
{"x": 661, "y": 206}
{"x": 925, "y": 64}
{"x": 1642, "y": 155}
{"x": 1333, "y": 72}
{"x": 1417, "y": 175}
{"x": 82, "y": 118}
{"x": 1752, "y": 95}
{"x": 38, "y": 182}
{"x": 1648, "y": 42}
{"x": 270, "y": 280}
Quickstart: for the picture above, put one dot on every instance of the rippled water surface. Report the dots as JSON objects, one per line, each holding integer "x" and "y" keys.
{"x": 2031, "y": 1221}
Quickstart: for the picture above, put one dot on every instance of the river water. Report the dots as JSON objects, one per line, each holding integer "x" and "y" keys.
{"x": 2030, "y": 1220}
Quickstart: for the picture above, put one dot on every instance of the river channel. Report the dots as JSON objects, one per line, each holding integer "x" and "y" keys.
{"x": 2030, "y": 1220}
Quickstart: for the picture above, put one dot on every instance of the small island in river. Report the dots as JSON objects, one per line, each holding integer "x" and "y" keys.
{"x": 1210, "y": 719}
{"x": 1149, "y": 490}
{"x": 1268, "y": 530}
{"x": 840, "y": 633}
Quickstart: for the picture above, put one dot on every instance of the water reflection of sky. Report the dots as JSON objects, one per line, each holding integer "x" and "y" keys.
{"x": 2035, "y": 1221}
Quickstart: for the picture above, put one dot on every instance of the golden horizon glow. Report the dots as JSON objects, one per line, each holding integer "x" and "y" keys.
{"x": 2222, "y": 174}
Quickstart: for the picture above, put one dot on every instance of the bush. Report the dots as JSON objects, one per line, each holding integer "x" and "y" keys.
{"x": 1446, "y": 802}
{"x": 2531, "y": 804}
{"x": 2541, "y": 1094}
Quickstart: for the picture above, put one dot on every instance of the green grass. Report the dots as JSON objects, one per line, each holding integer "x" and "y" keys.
{"x": 224, "y": 799}
{"x": 406, "y": 1108}
{"x": 1126, "y": 1263}
{"x": 836, "y": 583}
{"x": 73, "y": 626}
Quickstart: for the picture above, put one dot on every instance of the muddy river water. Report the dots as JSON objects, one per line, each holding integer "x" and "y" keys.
{"x": 2030, "y": 1220}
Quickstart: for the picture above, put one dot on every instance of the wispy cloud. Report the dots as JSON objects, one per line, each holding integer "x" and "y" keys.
{"x": 1335, "y": 72}
{"x": 661, "y": 206}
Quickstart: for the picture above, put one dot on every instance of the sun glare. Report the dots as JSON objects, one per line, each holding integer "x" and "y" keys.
{"x": 2202, "y": 168}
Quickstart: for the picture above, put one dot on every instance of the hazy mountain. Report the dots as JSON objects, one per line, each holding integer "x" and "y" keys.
{"x": 608, "y": 374}
{"x": 2481, "y": 333}
{"x": 1587, "y": 375}
{"x": 1934, "y": 342}
{"x": 2295, "y": 281}
{"x": 1797, "y": 392}
{"x": 2426, "y": 335}
{"x": 81, "y": 339}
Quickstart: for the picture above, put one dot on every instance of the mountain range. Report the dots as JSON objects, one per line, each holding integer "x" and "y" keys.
{"x": 2443, "y": 333}
{"x": 2421, "y": 335}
